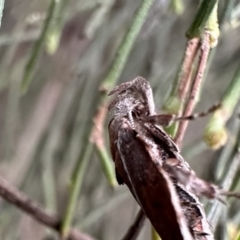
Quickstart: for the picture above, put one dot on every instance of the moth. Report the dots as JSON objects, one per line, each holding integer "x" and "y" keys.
{"x": 149, "y": 162}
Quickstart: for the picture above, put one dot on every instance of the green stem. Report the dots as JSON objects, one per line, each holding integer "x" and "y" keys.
{"x": 30, "y": 66}
{"x": 55, "y": 27}
{"x": 178, "y": 96}
{"x": 206, "y": 19}
{"x": 76, "y": 185}
{"x": 127, "y": 44}
{"x": 107, "y": 165}
{"x": 201, "y": 18}
{"x": 49, "y": 189}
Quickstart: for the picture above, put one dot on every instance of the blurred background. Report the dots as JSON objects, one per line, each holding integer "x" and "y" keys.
{"x": 45, "y": 128}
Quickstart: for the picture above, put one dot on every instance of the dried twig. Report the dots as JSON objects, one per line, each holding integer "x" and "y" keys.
{"x": 185, "y": 78}
{"x": 135, "y": 228}
{"x": 23, "y": 202}
{"x": 97, "y": 138}
{"x": 178, "y": 95}
{"x": 205, "y": 49}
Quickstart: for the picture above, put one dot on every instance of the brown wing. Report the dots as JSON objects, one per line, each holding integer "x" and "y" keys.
{"x": 161, "y": 137}
{"x": 151, "y": 187}
{"x": 193, "y": 211}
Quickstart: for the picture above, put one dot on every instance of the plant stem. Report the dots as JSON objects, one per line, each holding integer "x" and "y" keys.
{"x": 134, "y": 229}
{"x": 76, "y": 185}
{"x": 201, "y": 18}
{"x": 181, "y": 85}
{"x": 55, "y": 27}
{"x": 97, "y": 138}
{"x": 178, "y": 95}
{"x": 194, "y": 95}
{"x": 207, "y": 18}
{"x": 27, "y": 205}
{"x": 31, "y": 64}
{"x": 127, "y": 44}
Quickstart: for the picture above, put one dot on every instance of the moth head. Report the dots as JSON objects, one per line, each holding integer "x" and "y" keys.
{"x": 139, "y": 88}
{"x": 128, "y": 102}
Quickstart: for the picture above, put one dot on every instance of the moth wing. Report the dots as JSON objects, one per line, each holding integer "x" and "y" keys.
{"x": 167, "y": 143}
{"x": 150, "y": 186}
{"x": 163, "y": 138}
{"x": 113, "y": 147}
{"x": 174, "y": 167}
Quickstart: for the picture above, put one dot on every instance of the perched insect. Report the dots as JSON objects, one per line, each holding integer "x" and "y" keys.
{"x": 148, "y": 161}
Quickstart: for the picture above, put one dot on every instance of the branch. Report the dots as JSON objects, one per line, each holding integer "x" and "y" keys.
{"x": 27, "y": 205}
{"x": 185, "y": 75}
{"x": 36, "y": 50}
{"x": 178, "y": 95}
{"x": 97, "y": 138}
{"x": 205, "y": 49}
{"x": 135, "y": 228}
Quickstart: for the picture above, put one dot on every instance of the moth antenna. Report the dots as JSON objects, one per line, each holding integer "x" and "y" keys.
{"x": 168, "y": 119}
{"x": 198, "y": 115}
{"x": 231, "y": 194}
{"x": 161, "y": 119}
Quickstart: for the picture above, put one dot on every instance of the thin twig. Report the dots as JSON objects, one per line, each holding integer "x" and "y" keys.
{"x": 23, "y": 202}
{"x": 36, "y": 50}
{"x": 97, "y": 138}
{"x": 135, "y": 228}
{"x": 205, "y": 20}
{"x": 178, "y": 96}
{"x": 205, "y": 49}
{"x": 185, "y": 79}
{"x": 55, "y": 27}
